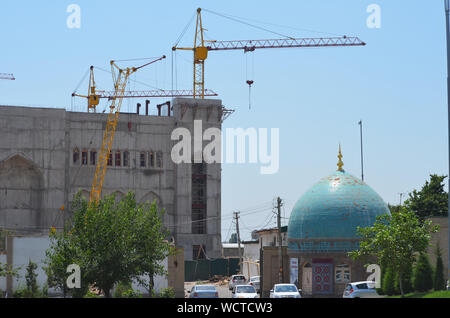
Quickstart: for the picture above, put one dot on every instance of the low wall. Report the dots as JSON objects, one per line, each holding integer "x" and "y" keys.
{"x": 21, "y": 249}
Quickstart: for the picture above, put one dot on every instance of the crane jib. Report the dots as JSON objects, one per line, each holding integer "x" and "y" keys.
{"x": 251, "y": 45}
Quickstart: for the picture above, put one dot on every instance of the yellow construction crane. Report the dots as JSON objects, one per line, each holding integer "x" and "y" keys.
{"x": 201, "y": 48}
{"x": 94, "y": 96}
{"x": 120, "y": 77}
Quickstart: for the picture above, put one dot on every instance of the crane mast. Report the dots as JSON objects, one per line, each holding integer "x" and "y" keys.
{"x": 201, "y": 50}
{"x": 120, "y": 77}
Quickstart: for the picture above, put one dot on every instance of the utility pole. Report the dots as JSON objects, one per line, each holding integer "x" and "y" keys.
{"x": 447, "y": 10}
{"x": 280, "y": 255}
{"x": 236, "y": 216}
{"x": 362, "y": 163}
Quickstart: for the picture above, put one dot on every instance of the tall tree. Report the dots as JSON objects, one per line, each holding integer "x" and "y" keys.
{"x": 112, "y": 242}
{"x": 439, "y": 280}
{"x": 431, "y": 200}
{"x": 423, "y": 274}
{"x": 388, "y": 284}
{"x": 394, "y": 239}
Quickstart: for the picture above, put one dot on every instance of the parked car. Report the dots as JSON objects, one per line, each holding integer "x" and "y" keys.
{"x": 360, "y": 290}
{"x": 254, "y": 281}
{"x": 203, "y": 291}
{"x": 236, "y": 280}
{"x": 244, "y": 291}
{"x": 285, "y": 291}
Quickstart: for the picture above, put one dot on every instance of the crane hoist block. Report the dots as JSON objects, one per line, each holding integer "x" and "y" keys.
{"x": 93, "y": 100}
{"x": 201, "y": 53}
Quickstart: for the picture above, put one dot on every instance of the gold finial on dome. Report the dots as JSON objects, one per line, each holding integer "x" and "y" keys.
{"x": 340, "y": 163}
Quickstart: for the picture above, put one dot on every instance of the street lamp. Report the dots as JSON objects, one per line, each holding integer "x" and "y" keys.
{"x": 447, "y": 10}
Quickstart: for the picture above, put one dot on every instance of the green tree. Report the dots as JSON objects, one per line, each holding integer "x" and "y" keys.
{"x": 388, "y": 282}
{"x": 61, "y": 253}
{"x": 111, "y": 242}
{"x": 31, "y": 279}
{"x": 406, "y": 280}
{"x": 394, "y": 239}
{"x": 423, "y": 274}
{"x": 431, "y": 200}
{"x": 439, "y": 280}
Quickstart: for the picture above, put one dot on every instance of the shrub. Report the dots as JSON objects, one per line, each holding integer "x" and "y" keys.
{"x": 388, "y": 282}
{"x": 44, "y": 292}
{"x": 31, "y": 279}
{"x": 439, "y": 280}
{"x": 130, "y": 293}
{"x": 20, "y": 292}
{"x": 90, "y": 294}
{"x": 423, "y": 274}
{"x": 121, "y": 288}
{"x": 168, "y": 292}
{"x": 125, "y": 290}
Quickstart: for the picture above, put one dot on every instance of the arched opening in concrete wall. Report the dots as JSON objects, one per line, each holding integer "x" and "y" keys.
{"x": 85, "y": 194}
{"x": 149, "y": 197}
{"x": 118, "y": 196}
{"x": 21, "y": 192}
{"x": 307, "y": 279}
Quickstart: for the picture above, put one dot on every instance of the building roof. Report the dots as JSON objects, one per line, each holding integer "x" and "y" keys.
{"x": 273, "y": 229}
{"x": 232, "y": 245}
{"x": 326, "y": 217}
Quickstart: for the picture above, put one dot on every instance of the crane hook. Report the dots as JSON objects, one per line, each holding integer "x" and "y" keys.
{"x": 249, "y": 82}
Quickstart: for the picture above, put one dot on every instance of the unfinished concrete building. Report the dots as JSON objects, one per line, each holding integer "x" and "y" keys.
{"x": 48, "y": 154}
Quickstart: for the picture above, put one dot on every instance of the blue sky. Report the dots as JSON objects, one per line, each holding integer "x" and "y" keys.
{"x": 395, "y": 84}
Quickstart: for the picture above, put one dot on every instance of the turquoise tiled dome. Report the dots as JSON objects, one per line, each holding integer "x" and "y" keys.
{"x": 326, "y": 217}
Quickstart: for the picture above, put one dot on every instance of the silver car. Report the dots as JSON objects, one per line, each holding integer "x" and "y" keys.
{"x": 360, "y": 290}
{"x": 254, "y": 281}
{"x": 236, "y": 280}
{"x": 203, "y": 291}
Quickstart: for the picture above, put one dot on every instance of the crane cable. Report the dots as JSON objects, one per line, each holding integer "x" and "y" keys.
{"x": 248, "y": 81}
{"x": 249, "y": 24}
{"x": 240, "y": 20}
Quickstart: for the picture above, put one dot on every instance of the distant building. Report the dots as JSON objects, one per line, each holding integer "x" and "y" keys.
{"x": 251, "y": 250}
{"x": 231, "y": 250}
{"x": 269, "y": 237}
{"x": 439, "y": 239}
{"x": 251, "y": 258}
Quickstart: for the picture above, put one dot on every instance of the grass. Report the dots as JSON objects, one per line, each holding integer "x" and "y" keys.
{"x": 431, "y": 294}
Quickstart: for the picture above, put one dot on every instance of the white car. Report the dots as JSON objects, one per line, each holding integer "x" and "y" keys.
{"x": 236, "y": 280}
{"x": 285, "y": 291}
{"x": 254, "y": 281}
{"x": 364, "y": 289}
{"x": 244, "y": 291}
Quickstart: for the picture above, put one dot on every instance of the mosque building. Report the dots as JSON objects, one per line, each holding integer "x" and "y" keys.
{"x": 323, "y": 229}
